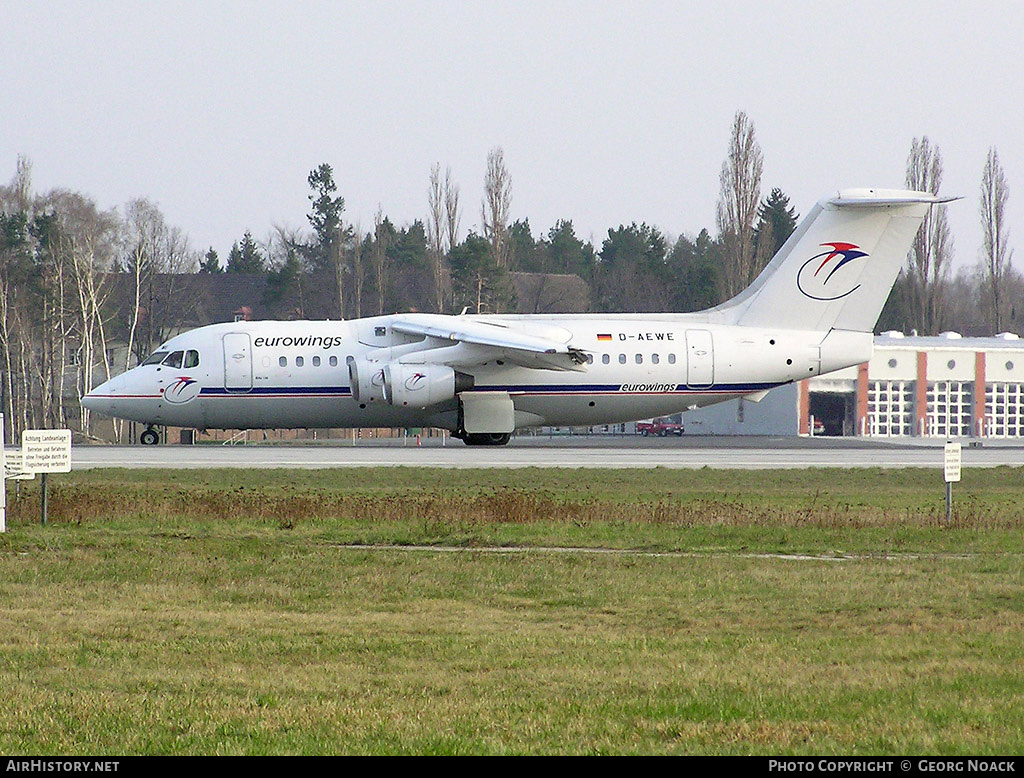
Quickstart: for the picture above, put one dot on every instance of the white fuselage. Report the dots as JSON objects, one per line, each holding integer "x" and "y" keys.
{"x": 276, "y": 374}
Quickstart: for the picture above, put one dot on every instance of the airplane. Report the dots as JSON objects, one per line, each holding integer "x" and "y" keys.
{"x": 482, "y": 377}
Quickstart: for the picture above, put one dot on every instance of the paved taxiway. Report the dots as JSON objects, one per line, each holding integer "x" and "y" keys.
{"x": 571, "y": 452}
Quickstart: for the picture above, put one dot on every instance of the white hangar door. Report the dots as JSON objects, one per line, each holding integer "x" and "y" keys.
{"x": 700, "y": 358}
{"x": 237, "y": 362}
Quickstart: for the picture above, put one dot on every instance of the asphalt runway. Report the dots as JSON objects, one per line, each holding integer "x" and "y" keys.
{"x": 570, "y": 452}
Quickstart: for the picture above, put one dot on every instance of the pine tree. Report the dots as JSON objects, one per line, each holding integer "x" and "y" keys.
{"x": 776, "y": 220}
{"x": 327, "y": 251}
{"x": 211, "y": 262}
{"x": 246, "y": 257}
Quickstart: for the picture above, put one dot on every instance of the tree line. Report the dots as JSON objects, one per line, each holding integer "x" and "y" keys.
{"x": 75, "y": 279}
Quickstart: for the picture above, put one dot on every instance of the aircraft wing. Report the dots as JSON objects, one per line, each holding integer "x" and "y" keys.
{"x": 515, "y": 342}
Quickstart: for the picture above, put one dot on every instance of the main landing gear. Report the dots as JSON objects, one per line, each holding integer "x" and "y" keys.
{"x": 150, "y": 437}
{"x": 485, "y": 438}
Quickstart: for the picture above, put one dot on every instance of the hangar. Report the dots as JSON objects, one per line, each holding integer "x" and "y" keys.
{"x": 913, "y": 387}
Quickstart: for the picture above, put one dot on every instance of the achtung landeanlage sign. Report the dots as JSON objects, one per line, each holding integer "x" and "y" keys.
{"x": 47, "y": 451}
{"x": 951, "y": 462}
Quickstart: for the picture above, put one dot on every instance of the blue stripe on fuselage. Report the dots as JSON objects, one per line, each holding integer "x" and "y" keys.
{"x": 345, "y": 391}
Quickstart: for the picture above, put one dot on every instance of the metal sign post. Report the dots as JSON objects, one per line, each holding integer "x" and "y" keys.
{"x": 3, "y": 478}
{"x": 951, "y": 473}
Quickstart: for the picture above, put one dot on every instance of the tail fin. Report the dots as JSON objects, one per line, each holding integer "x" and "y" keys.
{"x": 838, "y": 268}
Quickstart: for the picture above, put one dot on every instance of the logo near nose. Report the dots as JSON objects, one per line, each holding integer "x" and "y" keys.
{"x": 182, "y": 391}
{"x": 832, "y": 278}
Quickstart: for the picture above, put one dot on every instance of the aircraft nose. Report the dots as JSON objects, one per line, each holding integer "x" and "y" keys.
{"x": 103, "y": 397}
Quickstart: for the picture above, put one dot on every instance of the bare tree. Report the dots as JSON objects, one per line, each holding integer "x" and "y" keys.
{"x": 997, "y": 256}
{"x": 47, "y": 358}
{"x": 738, "y": 202}
{"x": 21, "y": 186}
{"x": 929, "y": 258}
{"x": 496, "y": 206}
{"x": 156, "y": 256}
{"x": 357, "y": 268}
{"x": 79, "y": 242}
{"x": 35, "y": 311}
{"x": 15, "y": 274}
{"x": 435, "y": 235}
{"x": 142, "y": 225}
{"x": 55, "y": 260}
{"x": 379, "y": 259}
{"x": 286, "y": 283}
{"x": 451, "y": 211}
{"x": 88, "y": 243}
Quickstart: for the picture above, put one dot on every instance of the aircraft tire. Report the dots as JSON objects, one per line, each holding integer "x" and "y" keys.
{"x": 149, "y": 437}
{"x": 487, "y": 439}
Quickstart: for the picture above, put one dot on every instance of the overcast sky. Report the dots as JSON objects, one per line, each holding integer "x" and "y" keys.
{"x": 608, "y": 112}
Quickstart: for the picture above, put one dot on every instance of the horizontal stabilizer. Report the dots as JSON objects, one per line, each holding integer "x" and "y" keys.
{"x": 871, "y": 198}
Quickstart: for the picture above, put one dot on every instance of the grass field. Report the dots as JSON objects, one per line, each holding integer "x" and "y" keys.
{"x": 553, "y": 611}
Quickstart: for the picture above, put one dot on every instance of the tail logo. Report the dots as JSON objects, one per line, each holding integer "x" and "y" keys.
{"x": 822, "y": 280}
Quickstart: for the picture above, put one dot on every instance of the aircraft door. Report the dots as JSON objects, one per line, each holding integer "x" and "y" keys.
{"x": 237, "y": 362}
{"x": 700, "y": 358}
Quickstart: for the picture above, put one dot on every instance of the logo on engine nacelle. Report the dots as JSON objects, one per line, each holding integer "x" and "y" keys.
{"x": 415, "y": 381}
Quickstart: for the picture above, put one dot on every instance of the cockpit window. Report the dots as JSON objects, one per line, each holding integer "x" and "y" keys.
{"x": 155, "y": 358}
{"x": 173, "y": 359}
{"x": 191, "y": 358}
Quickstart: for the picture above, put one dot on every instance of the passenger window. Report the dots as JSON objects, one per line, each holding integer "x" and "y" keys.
{"x": 605, "y": 359}
{"x": 283, "y": 361}
{"x": 655, "y": 359}
{"x": 622, "y": 359}
{"x": 316, "y": 361}
{"x": 334, "y": 361}
{"x": 590, "y": 359}
{"x": 299, "y": 362}
{"x": 173, "y": 359}
{"x": 191, "y": 358}
{"x": 671, "y": 359}
{"x": 639, "y": 359}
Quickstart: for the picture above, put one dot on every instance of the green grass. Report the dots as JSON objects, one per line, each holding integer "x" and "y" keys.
{"x": 231, "y": 612}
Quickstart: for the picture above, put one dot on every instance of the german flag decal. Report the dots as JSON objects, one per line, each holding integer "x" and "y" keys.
{"x": 602, "y": 336}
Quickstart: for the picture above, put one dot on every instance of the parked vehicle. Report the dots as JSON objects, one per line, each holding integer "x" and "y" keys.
{"x": 659, "y": 427}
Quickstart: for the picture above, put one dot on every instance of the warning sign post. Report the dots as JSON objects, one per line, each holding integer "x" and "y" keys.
{"x": 46, "y": 451}
{"x": 952, "y": 457}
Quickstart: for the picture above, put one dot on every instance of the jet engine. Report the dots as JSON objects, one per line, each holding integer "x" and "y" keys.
{"x": 420, "y": 385}
{"x": 366, "y": 379}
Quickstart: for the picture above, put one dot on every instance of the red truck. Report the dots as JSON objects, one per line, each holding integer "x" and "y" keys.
{"x": 659, "y": 427}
